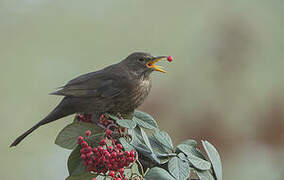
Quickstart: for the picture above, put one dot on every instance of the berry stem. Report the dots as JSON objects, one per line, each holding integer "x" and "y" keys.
{"x": 141, "y": 167}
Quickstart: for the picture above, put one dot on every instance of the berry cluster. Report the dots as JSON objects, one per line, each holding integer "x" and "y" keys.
{"x": 109, "y": 158}
{"x": 111, "y": 124}
{"x": 103, "y": 121}
{"x": 84, "y": 118}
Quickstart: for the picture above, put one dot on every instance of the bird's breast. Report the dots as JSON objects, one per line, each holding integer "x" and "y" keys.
{"x": 134, "y": 96}
{"x": 141, "y": 92}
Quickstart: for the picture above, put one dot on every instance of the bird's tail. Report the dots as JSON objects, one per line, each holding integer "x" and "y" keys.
{"x": 21, "y": 137}
{"x": 60, "y": 111}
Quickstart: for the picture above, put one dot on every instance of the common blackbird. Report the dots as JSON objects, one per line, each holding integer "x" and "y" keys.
{"x": 118, "y": 88}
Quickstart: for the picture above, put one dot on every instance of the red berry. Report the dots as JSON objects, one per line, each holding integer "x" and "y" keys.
{"x": 117, "y": 178}
{"x": 111, "y": 173}
{"x": 90, "y": 162}
{"x": 81, "y": 117}
{"x": 89, "y": 148}
{"x": 83, "y": 156}
{"x": 119, "y": 146}
{"x": 90, "y": 154}
{"x": 121, "y": 171}
{"x": 84, "y": 151}
{"x": 80, "y": 138}
{"x": 113, "y": 154}
{"x": 132, "y": 153}
{"x": 110, "y": 149}
{"x": 107, "y": 154}
{"x": 131, "y": 159}
{"x": 108, "y": 132}
{"x": 112, "y": 161}
{"x": 89, "y": 117}
{"x": 103, "y": 142}
{"x": 88, "y": 133}
{"x": 85, "y": 163}
{"x": 94, "y": 179}
{"x": 170, "y": 58}
{"x": 100, "y": 148}
{"x": 84, "y": 144}
{"x": 127, "y": 154}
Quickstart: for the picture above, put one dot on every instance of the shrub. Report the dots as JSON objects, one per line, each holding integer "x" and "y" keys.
{"x": 106, "y": 146}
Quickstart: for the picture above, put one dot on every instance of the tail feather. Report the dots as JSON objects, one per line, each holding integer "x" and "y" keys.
{"x": 21, "y": 137}
{"x": 63, "y": 109}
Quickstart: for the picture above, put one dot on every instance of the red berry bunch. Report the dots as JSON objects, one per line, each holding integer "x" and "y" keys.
{"x": 107, "y": 159}
{"x": 84, "y": 117}
{"x": 105, "y": 121}
{"x": 109, "y": 123}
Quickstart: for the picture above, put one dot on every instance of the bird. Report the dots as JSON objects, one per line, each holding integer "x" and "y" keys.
{"x": 118, "y": 88}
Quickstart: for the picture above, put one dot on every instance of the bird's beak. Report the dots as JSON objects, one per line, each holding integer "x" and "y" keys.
{"x": 151, "y": 64}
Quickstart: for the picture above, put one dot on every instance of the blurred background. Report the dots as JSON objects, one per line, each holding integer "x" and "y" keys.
{"x": 225, "y": 84}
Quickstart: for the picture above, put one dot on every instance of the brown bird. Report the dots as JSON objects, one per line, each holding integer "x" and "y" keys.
{"x": 118, "y": 88}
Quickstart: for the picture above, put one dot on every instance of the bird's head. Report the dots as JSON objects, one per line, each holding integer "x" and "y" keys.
{"x": 143, "y": 63}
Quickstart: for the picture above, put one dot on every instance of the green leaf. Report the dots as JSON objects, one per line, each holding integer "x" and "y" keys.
{"x": 166, "y": 154}
{"x": 85, "y": 176}
{"x": 125, "y": 144}
{"x": 152, "y": 155}
{"x": 192, "y": 146}
{"x": 158, "y": 173}
{"x": 75, "y": 119}
{"x": 75, "y": 163}
{"x": 133, "y": 169}
{"x": 198, "y": 153}
{"x": 136, "y": 137}
{"x": 163, "y": 159}
{"x": 138, "y": 143}
{"x": 146, "y": 139}
{"x": 190, "y": 142}
{"x": 178, "y": 168}
{"x": 163, "y": 138}
{"x": 157, "y": 146}
{"x": 182, "y": 157}
{"x": 196, "y": 161}
{"x": 141, "y": 143}
{"x": 130, "y": 124}
{"x": 204, "y": 175}
{"x": 67, "y": 138}
{"x": 100, "y": 177}
{"x": 214, "y": 158}
{"x": 94, "y": 140}
{"x": 163, "y": 154}
{"x": 145, "y": 120}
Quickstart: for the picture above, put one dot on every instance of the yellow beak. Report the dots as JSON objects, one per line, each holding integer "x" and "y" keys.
{"x": 151, "y": 64}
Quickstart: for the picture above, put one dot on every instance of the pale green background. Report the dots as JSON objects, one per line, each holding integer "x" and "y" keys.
{"x": 225, "y": 84}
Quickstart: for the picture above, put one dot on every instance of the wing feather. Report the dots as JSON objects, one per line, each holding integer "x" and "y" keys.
{"x": 95, "y": 84}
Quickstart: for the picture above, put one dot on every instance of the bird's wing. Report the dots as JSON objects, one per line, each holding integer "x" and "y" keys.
{"x": 97, "y": 84}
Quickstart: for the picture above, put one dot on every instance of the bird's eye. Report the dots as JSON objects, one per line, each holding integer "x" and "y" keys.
{"x": 141, "y": 59}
